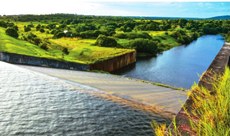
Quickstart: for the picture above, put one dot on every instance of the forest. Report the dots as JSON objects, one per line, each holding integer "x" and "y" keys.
{"x": 89, "y": 39}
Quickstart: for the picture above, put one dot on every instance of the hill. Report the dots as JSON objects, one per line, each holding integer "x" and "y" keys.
{"x": 225, "y": 17}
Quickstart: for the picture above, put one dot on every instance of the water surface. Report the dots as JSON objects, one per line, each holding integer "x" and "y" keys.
{"x": 36, "y": 104}
{"x": 181, "y": 66}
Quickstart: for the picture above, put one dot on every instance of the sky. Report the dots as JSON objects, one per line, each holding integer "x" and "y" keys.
{"x": 163, "y": 8}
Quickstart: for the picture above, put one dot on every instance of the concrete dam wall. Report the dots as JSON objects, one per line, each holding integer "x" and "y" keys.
{"x": 109, "y": 65}
{"x": 217, "y": 67}
{"x": 116, "y": 63}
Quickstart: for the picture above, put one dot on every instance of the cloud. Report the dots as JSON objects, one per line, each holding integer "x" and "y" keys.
{"x": 124, "y": 8}
{"x": 47, "y": 6}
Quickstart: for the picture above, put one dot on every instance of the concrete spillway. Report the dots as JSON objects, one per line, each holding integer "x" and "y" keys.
{"x": 165, "y": 99}
{"x": 34, "y": 103}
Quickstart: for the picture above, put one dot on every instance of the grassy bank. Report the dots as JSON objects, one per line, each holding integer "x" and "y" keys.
{"x": 211, "y": 112}
{"x": 89, "y": 39}
{"x": 227, "y": 37}
{"x": 12, "y": 45}
{"x": 80, "y": 50}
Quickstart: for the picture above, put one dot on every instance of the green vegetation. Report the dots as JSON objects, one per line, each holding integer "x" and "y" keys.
{"x": 105, "y": 41}
{"x": 88, "y": 39}
{"x": 227, "y": 37}
{"x": 212, "y": 110}
{"x": 12, "y": 45}
{"x": 12, "y": 32}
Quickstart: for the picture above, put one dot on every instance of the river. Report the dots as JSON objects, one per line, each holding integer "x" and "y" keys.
{"x": 36, "y": 104}
{"x": 180, "y": 66}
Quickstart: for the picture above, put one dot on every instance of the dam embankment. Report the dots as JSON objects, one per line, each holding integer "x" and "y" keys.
{"x": 108, "y": 65}
{"x": 33, "y": 103}
{"x": 221, "y": 61}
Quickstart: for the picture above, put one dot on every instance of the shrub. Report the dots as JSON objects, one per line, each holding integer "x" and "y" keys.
{"x": 105, "y": 41}
{"x": 90, "y": 34}
{"x": 12, "y": 32}
{"x": 65, "y": 51}
{"x": 59, "y": 34}
{"x": 38, "y": 27}
{"x": 32, "y": 38}
{"x": 42, "y": 30}
{"x": 144, "y": 45}
{"x": 3, "y": 24}
{"x": 27, "y": 28}
{"x": 44, "y": 46}
{"x": 133, "y": 35}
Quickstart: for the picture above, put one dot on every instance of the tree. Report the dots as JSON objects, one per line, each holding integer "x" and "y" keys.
{"x": 38, "y": 27}
{"x": 44, "y": 46}
{"x": 12, "y": 32}
{"x": 144, "y": 45}
{"x": 3, "y": 24}
{"x": 27, "y": 28}
{"x": 65, "y": 51}
{"x": 42, "y": 30}
{"x": 105, "y": 41}
{"x": 59, "y": 34}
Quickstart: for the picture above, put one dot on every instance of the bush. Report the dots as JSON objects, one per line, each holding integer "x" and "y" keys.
{"x": 3, "y": 24}
{"x": 12, "y": 32}
{"x": 59, "y": 34}
{"x": 144, "y": 45}
{"x": 27, "y": 28}
{"x": 182, "y": 36}
{"x": 65, "y": 51}
{"x": 38, "y": 27}
{"x": 90, "y": 34}
{"x": 42, "y": 30}
{"x": 44, "y": 46}
{"x": 32, "y": 38}
{"x": 105, "y": 41}
{"x": 132, "y": 35}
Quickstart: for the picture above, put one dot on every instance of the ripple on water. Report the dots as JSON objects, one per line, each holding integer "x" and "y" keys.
{"x": 36, "y": 104}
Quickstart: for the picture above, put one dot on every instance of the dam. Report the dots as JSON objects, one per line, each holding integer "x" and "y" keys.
{"x": 81, "y": 103}
{"x": 34, "y": 103}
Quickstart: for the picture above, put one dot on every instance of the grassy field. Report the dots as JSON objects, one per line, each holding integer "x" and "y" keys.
{"x": 212, "y": 111}
{"x": 80, "y": 50}
{"x": 12, "y": 45}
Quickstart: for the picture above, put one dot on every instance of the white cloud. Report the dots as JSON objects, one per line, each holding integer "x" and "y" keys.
{"x": 86, "y": 7}
{"x": 48, "y": 6}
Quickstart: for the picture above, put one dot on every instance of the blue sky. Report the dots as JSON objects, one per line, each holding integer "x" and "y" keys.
{"x": 118, "y": 8}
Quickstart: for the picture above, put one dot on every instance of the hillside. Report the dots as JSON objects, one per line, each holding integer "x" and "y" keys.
{"x": 226, "y": 17}
{"x": 79, "y": 50}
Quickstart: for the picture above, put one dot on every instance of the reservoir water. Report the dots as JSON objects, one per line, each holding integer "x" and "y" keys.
{"x": 181, "y": 66}
{"x": 34, "y": 104}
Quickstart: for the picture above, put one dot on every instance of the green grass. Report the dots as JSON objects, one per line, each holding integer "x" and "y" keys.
{"x": 12, "y": 45}
{"x": 211, "y": 112}
{"x": 81, "y": 50}
{"x": 227, "y": 37}
{"x": 167, "y": 41}
{"x": 164, "y": 38}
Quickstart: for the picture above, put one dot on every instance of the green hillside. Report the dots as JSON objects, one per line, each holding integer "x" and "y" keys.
{"x": 80, "y": 51}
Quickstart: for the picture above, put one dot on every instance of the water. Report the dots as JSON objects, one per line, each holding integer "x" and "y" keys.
{"x": 181, "y": 66}
{"x": 36, "y": 104}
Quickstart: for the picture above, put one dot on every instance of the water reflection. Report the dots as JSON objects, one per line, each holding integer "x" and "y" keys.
{"x": 180, "y": 66}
